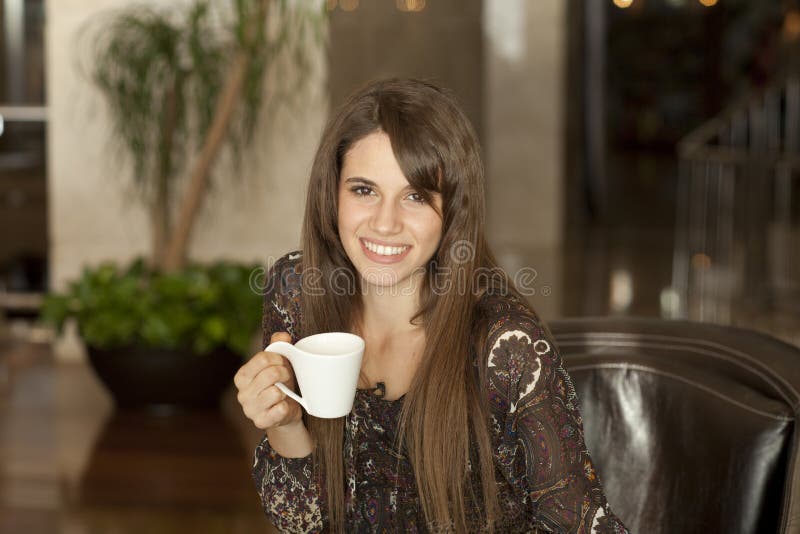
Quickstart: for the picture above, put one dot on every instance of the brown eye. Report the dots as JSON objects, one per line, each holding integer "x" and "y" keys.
{"x": 416, "y": 197}
{"x": 361, "y": 190}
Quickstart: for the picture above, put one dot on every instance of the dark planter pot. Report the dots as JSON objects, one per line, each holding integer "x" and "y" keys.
{"x": 141, "y": 378}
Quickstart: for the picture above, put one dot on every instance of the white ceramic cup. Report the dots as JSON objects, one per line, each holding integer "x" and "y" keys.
{"x": 326, "y": 367}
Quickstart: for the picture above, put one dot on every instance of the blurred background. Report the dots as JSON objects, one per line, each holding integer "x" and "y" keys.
{"x": 641, "y": 159}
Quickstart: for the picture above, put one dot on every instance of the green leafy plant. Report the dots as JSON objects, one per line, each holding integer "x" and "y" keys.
{"x": 201, "y": 308}
{"x": 182, "y": 83}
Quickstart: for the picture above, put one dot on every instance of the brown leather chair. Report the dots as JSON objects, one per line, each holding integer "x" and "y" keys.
{"x": 693, "y": 427}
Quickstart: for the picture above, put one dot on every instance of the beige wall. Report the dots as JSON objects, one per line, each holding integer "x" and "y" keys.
{"x": 94, "y": 217}
{"x": 524, "y": 67}
{"x": 524, "y": 87}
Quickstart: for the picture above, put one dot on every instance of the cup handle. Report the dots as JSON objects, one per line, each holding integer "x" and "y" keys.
{"x": 285, "y": 349}
{"x": 289, "y": 393}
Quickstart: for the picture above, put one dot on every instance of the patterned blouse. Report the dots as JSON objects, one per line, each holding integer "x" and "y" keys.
{"x": 546, "y": 479}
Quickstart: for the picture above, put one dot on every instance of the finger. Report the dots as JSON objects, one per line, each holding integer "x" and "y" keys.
{"x": 262, "y": 403}
{"x": 257, "y": 403}
{"x": 281, "y": 336}
{"x": 248, "y": 371}
{"x": 270, "y": 396}
{"x": 274, "y": 416}
{"x": 257, "y": 365}
{"x": 259, "y": 361}
{"x": 268, "y": 377}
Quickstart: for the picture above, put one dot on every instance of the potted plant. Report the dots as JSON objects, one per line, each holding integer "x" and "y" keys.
{"x": 162, "y": 339}
{"x": 181, "y": 85}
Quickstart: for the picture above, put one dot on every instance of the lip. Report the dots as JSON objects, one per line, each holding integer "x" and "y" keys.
{"x": 377, "y": 258}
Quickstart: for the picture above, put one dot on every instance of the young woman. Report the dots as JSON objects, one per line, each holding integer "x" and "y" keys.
{"x": 465, "y": 419}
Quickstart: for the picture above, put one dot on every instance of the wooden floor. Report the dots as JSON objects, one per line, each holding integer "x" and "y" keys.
{"x": 70, "y": 464}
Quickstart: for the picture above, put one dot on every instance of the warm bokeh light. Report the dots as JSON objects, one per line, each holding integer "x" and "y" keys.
{"x": 701, "y": 261}
{"x": 348, "y": 5}
{"x": 330, "y": 5}
{"x": 709, "y": 3}
{"x": 620, "y": 292}
{"x": 410, "y": 5}
{"x": 791, "y": 25}
{"x": 623, "y": 3}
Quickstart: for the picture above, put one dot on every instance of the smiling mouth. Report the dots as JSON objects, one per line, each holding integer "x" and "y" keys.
{"x": 383, "y": 250}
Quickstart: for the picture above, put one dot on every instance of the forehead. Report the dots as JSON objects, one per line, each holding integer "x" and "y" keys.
{"x": 372, "y": 158}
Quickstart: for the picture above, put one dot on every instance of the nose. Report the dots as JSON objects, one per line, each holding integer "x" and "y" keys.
{"x": 386, "y": 220}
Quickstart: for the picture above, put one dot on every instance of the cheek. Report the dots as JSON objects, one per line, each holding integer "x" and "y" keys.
{"x": 341, "y": 220}
{"x": 344, "y": 210}
{"x": 351, "y": 221}
{"x": 430, "y": 228}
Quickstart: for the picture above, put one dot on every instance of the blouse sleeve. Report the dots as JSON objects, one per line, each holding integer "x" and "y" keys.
{"x": 281, "y": 310}
{"x": 289, "y": 494}
{"x": 540, "y": 443}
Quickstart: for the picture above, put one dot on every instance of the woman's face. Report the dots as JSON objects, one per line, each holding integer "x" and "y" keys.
{"x": 387, "y": 230}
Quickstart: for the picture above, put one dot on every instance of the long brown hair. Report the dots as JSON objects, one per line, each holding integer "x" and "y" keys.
{"x": 438, "y": 151}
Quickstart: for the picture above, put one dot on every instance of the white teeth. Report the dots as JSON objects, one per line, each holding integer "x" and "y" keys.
{"x": 383, "y": 250}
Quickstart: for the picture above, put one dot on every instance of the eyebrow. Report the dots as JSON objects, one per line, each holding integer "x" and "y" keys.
{"x": 366, "y": 181}
{"x": 359, "y": 179}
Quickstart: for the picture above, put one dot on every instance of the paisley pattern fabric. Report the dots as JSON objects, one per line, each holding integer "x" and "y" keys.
{"x": 545, "y": 476}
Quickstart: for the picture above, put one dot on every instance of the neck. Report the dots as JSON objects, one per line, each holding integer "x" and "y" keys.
{"x": 388, "y": 313}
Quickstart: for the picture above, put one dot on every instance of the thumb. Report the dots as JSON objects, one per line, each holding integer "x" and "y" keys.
{"x": 280, "y": 336}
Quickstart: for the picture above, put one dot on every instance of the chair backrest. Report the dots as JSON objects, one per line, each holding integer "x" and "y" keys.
{"x": 692, "y": 426}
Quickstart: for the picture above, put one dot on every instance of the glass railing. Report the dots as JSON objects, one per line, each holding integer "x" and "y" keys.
{"x": 737, "y": 246}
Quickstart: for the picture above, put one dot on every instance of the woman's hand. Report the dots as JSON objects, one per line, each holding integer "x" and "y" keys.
{"x": 262, "y": 402}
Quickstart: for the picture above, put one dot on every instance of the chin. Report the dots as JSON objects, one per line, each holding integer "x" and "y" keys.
{"x": 382, "y": 276}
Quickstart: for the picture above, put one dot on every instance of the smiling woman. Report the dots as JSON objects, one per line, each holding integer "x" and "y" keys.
{"x": 466, "y": 419}
{"x": 388, "y": 230}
